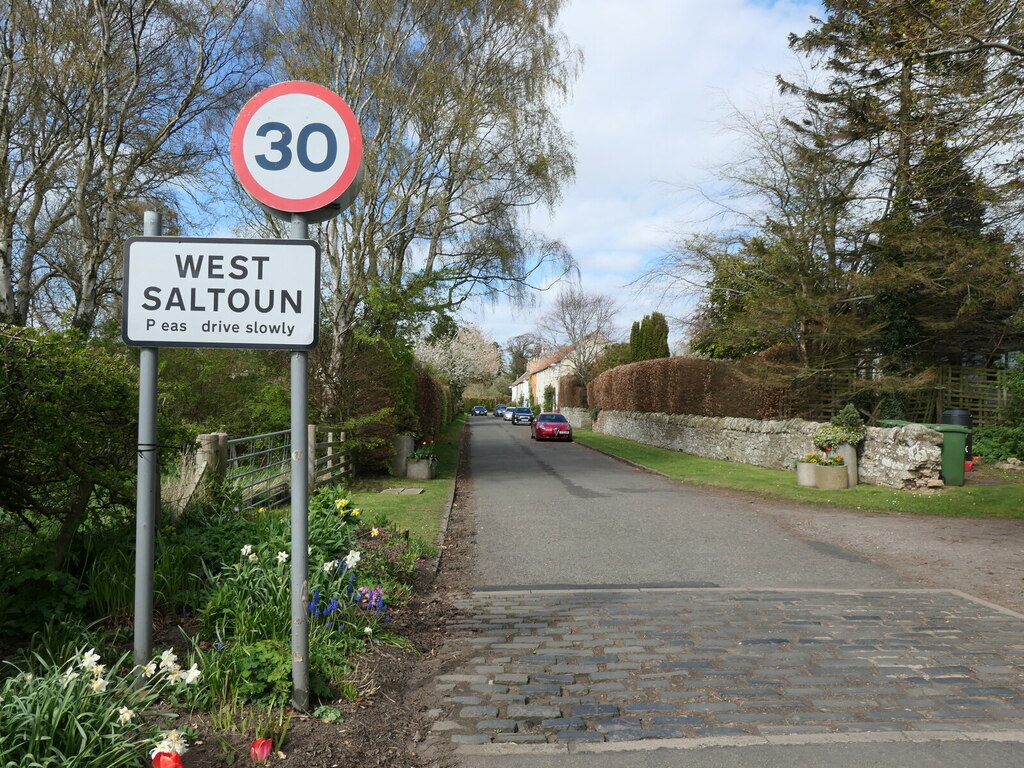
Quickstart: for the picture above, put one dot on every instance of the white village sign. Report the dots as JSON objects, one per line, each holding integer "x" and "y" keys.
{"x": 210, "y": 292}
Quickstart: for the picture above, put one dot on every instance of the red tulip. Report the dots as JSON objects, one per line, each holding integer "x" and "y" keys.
{"x": 167, "y": 760}
{"x": 260, "y": 749}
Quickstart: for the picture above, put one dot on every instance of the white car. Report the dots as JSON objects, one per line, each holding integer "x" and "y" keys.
{"x": 507, "y": 415}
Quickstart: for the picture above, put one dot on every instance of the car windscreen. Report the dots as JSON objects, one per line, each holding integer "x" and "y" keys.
{"x": 552, "y": 417}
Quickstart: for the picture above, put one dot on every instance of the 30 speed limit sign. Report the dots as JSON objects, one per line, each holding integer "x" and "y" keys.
{"x": 296, "y": 147}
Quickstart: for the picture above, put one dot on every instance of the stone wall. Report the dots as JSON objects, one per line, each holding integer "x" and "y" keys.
{"x": 902, "y": 457}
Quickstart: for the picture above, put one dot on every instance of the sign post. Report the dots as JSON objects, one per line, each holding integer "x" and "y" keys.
{"x": 297, "y": 150}
{"x": 146, "y": 488}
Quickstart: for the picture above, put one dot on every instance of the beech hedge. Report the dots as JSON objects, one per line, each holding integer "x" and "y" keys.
{"x": 691, "y": 385}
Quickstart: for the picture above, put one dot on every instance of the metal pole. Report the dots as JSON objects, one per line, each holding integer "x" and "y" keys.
{"x": 147, "y": 486}
{"x": 300, "y": 511}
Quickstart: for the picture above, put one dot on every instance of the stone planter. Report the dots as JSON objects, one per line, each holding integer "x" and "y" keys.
{"x": 830, "y": 478}
{"x": 849, "y": 454}
{"x": 805, "y": 476}
{"x": 420, "y": 469}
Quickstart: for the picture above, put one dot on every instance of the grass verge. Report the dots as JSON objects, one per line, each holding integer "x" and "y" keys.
{"x": 419, "y": 513}
{"x": 1005, "y": 500}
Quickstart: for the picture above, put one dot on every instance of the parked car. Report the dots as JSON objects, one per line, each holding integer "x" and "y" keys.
{"x": 479, "y": 410}
{"x": 499, "y": 410}
{"x": 507, "y": 415}
{"x": 522, "y": 416}
{"x": 551, "y": 426}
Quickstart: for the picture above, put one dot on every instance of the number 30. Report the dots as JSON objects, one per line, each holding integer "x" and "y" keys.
{"x": 284, "y": 152}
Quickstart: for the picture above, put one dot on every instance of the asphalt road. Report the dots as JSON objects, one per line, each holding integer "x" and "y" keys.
{"x": 558, "y": 513}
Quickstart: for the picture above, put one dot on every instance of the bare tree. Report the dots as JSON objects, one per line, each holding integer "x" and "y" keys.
{"x": 521, "y": 349}
{"x": 582, "y": 321}
{"x": 105, "y": 108}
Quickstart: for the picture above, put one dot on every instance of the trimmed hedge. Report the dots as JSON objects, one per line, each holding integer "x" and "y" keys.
{"x": 433, "y": 400}
{"x": 572, "y": 393}
{"x": 691, "y": 385}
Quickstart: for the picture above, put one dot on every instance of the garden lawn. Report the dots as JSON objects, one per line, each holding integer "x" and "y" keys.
{"x": 421, "y": 513}
{"x": 965, "y": 501}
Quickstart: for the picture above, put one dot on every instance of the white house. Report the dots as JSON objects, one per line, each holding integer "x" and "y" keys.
{"x": 548, "y": 368}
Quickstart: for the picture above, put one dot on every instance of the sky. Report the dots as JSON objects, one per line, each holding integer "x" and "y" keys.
{"x": 648, "y": 115}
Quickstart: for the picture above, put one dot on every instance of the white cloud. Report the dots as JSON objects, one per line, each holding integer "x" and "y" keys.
{"x": 659, "y": 80}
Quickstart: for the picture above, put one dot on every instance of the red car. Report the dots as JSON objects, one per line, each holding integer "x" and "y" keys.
{"x": 551, "y": 426}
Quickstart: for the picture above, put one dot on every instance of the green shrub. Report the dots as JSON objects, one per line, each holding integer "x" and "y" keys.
{"x": 549, "y": 397}
{"x": 998, "y": 443}
{"x": 829, "y": 436}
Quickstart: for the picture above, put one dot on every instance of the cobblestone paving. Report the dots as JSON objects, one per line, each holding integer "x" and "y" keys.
{"x": 547, "y": 666}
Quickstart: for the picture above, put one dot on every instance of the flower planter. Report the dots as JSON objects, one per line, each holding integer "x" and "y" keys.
{"x": 830, "y": 478}
{"x": 420, "y": 469}
{"x": 805, "y": 474}
{"x": 849, "y": 454}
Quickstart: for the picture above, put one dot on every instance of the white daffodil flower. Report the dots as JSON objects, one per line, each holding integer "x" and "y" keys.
{"x": 282, "y": 557}
{"x": 125, "y": 715}
{"x": 247, "y": 550}
{"x": 168, "y": 659}
{"x": 98, "y": 684}
{"x": 351, "y": 559}
{"x": 330, "y": 565}
{"x": 192, "y": 675}
{"x": 89, "y": 659}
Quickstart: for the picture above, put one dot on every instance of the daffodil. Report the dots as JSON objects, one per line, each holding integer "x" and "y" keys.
{"x": 168, "y": 659}
{"x": 352, "y": 559}
{"x": 192, "y": 675}
{"x": 125, "y": 715}
{"x": 375, "y": 531}
{"x": 282, "y": 557}
{"x": 98, "y": 684}
{"x": 247, "y": 550}
{"x": 89, "y": 659}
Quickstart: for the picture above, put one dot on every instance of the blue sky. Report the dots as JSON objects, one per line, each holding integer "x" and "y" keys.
{"x": 648, "y": 114}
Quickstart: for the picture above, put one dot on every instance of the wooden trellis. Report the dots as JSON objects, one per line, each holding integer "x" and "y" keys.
{"x": 982, "y": 391}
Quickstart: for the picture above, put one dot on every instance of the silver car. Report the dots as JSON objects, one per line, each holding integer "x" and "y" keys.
{"x": 522, "y": 416}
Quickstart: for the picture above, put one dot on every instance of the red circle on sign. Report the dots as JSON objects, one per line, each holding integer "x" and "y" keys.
{"x": 347, "y": 173}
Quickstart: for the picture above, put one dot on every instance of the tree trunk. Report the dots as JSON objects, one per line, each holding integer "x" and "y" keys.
{"x": 74, "y": 513}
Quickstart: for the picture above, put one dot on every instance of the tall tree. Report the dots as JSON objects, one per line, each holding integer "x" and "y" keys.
{"x": 913, "y": 109}
{"x": 105, "y": 107}
{"x": 456, "y": 102}
{"x": 521, "y": 350}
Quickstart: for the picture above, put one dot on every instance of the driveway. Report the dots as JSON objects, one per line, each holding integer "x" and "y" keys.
{"x": 618, "y": 615}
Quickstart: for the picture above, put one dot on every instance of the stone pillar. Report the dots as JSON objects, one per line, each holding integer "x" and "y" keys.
{"x": 213, "y": 453}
